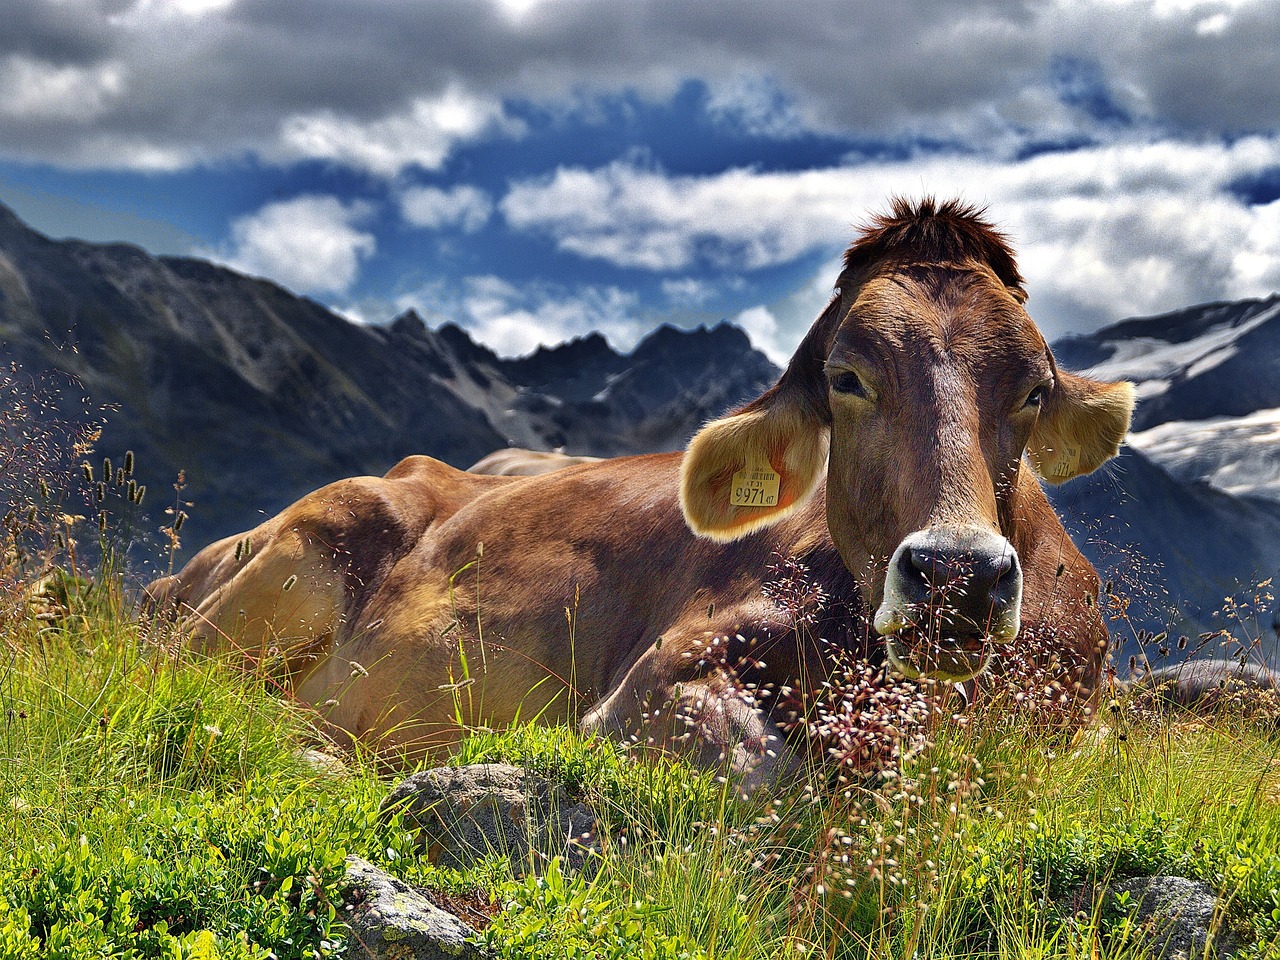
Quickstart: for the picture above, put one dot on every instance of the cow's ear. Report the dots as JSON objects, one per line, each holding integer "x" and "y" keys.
{"x": 1080, "y": 426}
{"x": 751, "y": 469}
{"x": 758, "y": 465}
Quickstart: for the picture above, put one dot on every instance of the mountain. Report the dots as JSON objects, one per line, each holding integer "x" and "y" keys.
{"x": 260, "y": 395}
{"x": 1195, "y": 497}
{"x": 1208, "y": 380}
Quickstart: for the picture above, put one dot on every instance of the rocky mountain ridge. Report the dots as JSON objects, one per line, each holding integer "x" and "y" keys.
{"x": 1191, "y": 510}
{"x": 260, "y": 396}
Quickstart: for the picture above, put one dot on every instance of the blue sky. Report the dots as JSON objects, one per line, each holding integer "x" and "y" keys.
{"x": 535, "y": 169}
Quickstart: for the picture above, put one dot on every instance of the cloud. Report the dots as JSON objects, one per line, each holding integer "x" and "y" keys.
{"x": 422, "y": 135}
{"x": 756, "y": 105}
{"x": 763, "y": 329}
{"x": 644, "y": 218}
{"x": 515, "y": 320}
{"x": 310, "y": 244}
{"x": 387, "y": 86}
{"x": 688, "y": 291}
{"x": 41, "y": 89}
{"x": 1104, "y": 232}
{"x": 464, "y": 206}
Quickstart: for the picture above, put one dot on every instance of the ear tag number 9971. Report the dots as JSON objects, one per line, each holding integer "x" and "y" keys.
{"x": 755, "y": 485}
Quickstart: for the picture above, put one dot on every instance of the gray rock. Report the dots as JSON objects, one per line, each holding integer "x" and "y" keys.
{"x": 389, "y": 920}
{"x": 1178, "y": 916}
{"x": 463, "y": 814}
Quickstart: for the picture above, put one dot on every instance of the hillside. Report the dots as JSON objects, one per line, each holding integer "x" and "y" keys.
{"x": 1196, "y": 495}
{"x": 260, "y": 395}
{"x": 1209, "y": 382}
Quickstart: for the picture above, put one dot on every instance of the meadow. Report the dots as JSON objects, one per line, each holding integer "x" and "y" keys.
{"x": 156, "y": 804}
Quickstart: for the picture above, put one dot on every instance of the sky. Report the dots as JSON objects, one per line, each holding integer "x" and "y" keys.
{"x": 537, "y": 169}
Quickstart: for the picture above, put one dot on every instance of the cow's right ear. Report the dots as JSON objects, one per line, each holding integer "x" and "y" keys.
{"x": 760, "y": 464}
{"x": 751, "y": 469}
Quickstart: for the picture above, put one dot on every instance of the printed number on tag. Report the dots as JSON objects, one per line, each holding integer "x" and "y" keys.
{"x": 1066, "y": 462}
{"x": 755, "y": 485}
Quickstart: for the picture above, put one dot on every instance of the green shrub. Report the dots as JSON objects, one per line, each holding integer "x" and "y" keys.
{"x": 559, "y": 916}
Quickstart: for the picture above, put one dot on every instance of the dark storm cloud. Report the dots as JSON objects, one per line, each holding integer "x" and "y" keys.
{"x": 146, "y": 85}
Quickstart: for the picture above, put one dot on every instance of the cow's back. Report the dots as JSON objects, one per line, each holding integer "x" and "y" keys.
{"x": 289, "y": 584}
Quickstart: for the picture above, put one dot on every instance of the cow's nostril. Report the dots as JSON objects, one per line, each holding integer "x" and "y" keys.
{"x": 934, "y": 567}
{"x": 921, "y": 562}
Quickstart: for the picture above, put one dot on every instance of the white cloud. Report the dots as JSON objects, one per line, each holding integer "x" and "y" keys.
{"x": 385, "y": 86}
{"x": 310, "y": 244}
{"x": 423, "y": 135}
{"x": 1102, "y": 232}
{"x": 464, "y": 206}
{"x": 643, "y": 218}
{"x": 515, "y": 320}
{"x": 688, "y": 291}
{"x": 755, "y": 104}
{"x": 34, "y": 88}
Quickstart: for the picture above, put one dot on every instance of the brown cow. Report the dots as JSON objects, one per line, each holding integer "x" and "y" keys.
{"x": 632, "y": 595}
{"x": 519, "y": 462}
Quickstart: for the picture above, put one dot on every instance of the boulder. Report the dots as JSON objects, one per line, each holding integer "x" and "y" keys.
{"x": 464, "y": 814}
{"x": 1180, "y": 917}
{"x": 390, "y": 920}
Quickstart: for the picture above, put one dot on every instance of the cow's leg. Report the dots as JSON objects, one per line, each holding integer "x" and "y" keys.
{"x": 710, "y": 719}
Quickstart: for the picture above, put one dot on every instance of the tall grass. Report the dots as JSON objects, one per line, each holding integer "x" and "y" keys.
{"x": 153, "y": 804}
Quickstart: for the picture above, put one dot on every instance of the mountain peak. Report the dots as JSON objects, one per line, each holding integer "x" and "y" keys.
{"x": 409, "y": 324}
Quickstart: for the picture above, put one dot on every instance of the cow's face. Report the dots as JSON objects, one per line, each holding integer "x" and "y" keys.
{"x": 920, "y": 389}
{"x": 936, "y": 378}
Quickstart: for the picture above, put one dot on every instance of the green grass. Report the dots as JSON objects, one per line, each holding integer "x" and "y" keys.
{"x": 156, "y": 806}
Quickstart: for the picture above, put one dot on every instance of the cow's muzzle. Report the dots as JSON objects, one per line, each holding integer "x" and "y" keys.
{"x": 950, "y": 592}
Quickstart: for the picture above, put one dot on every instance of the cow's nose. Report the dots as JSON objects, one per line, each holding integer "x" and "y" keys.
{"x": 978, "y": 569}
{"x": 957, "y": 578}
{"x": 948, "y": 592}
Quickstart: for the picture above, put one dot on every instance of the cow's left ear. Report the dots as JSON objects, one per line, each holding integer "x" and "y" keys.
{"x": 1080, "y": 426}
{"x": 758, "y": 465}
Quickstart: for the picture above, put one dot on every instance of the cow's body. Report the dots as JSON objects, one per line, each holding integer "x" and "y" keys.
{"x": 633, "y": 595}
{"x": 1205, "y": 685}
{"x": 519, "y": 462}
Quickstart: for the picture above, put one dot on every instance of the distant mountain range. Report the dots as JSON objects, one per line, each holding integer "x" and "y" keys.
{"x": 260, "y": 396}
{"x": 1196, "y": 495}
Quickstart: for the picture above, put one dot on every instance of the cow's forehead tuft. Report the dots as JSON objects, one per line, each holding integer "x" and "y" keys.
{"x": 934, "y": 232}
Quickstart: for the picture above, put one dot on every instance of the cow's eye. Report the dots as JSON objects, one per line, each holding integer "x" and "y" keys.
{"x": 1036, "y": 396}
{"x": 846, "y": 381}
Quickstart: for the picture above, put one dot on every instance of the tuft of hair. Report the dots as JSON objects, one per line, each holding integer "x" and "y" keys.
{"x": 936, "y": 232}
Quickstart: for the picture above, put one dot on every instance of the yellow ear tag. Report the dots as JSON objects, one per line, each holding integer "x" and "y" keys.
{"x": 755, "y": 485}
{"x": 1066, "y": 462}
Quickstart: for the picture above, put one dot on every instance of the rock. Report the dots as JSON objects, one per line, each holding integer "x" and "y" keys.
{"x": 463, "y": 814}
{"x": 1178, "y": 915}
{"x": 389, "y": 920}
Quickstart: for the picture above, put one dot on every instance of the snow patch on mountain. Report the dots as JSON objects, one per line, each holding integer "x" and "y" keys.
{"x": 1153, "y": 362}
{"x": 1238, "y": 455}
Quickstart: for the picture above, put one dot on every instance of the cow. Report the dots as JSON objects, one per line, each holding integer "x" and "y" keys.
{"x": 1205, "y": 686}
{"x": 894, "y": 463}
{"x": 519, "y": 462}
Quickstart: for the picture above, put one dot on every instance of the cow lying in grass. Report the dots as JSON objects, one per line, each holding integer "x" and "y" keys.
{"x": 895, "y": 462}
{"x": 1208, "y": 685}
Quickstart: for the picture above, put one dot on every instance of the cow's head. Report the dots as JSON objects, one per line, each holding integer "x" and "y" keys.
{"x": 918, "y": 391}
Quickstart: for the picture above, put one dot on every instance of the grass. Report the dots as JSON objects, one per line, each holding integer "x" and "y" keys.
{"x": 157, "y": 805}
